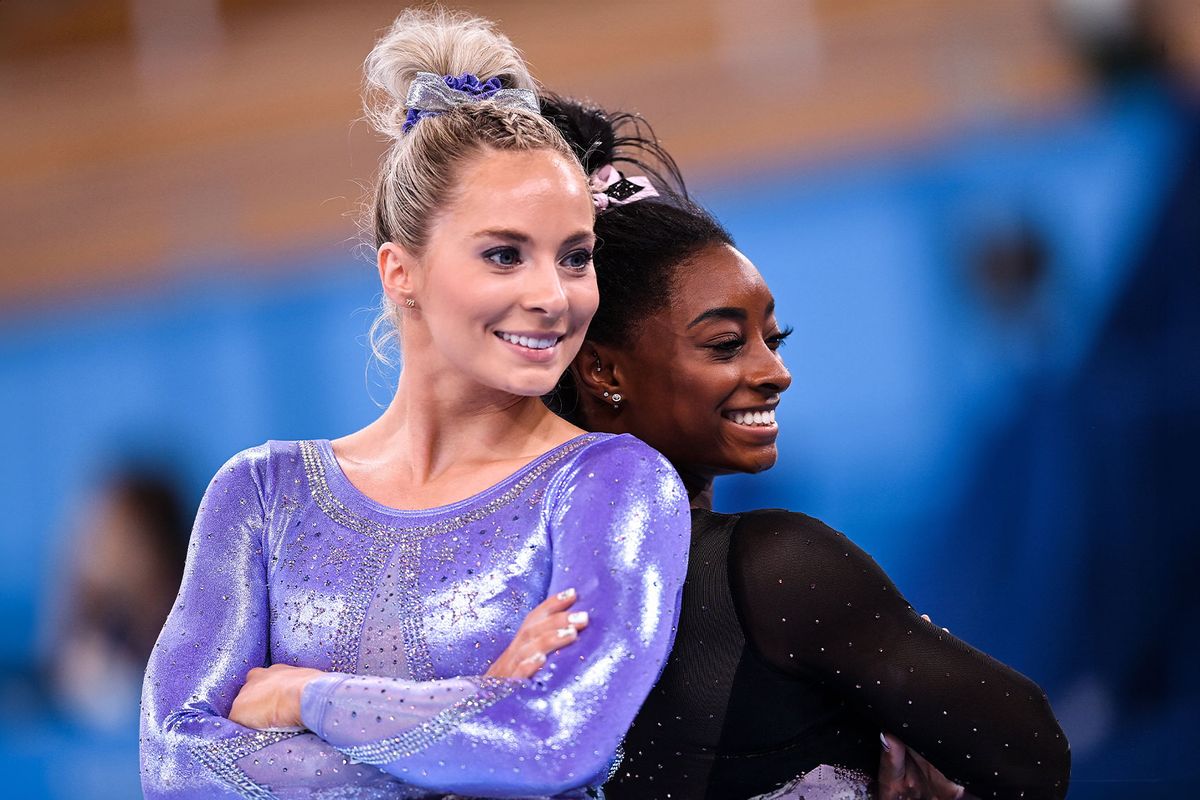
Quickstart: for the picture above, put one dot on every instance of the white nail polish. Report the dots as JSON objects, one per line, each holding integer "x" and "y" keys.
{"x": 566, "y": 594}
{"x": 566, "y": 633}
{"x": 578, "y": 617}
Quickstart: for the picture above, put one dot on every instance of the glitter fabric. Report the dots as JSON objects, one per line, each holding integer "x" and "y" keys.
{"x": 794, "y": 651}
{"x": 405, "y": 611}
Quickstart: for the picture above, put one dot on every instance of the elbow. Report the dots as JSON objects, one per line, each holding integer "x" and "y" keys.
{"x": 563, "y": 773}
{"x": 1054, "y": 759}
{"x": 1055, "y": 769}
{"x": 563, "y": 762}
{"x": 1048, "y": 763}
{"x": 570, "y": 760}
{"x": 1043, "y": 773}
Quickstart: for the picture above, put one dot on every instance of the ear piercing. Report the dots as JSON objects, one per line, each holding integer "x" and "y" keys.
{"x": 408, "y": 301}
{"x": 616, "y": 400}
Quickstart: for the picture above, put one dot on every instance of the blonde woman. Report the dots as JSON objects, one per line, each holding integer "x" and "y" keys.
{"x": 347, "y": 617}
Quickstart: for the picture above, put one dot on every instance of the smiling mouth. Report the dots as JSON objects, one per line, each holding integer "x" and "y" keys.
{"x": 530, "y": 342}
{"x": 752, "y": 419}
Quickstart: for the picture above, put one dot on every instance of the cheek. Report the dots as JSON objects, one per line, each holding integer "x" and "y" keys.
{"x": 584, "y": 297}
{"x": 462, "y": 303}
{"x": 695, "y": 396}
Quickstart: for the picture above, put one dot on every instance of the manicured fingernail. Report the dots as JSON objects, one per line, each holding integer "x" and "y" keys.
{"x": 883, "y": 741}
{"x": 566, "y": 633}
{"x": 566, "y": 594}
{"x": 536, "y": 658}
{"x": 577, "y": 618}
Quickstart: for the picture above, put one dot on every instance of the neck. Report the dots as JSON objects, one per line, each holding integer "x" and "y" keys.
{"x": 699, "y": 488}
{"x": 437, "y": 422}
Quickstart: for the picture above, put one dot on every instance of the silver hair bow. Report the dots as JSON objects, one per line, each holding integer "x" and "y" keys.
{"x": 430, "y": 95}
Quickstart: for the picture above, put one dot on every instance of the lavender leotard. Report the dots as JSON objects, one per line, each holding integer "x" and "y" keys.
{"x": 405, "y": 610}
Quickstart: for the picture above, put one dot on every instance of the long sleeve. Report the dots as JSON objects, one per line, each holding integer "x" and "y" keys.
{"x": 817, "y": 607}
{"x": 619, "y": 531}
{"x": 216, "y": 632}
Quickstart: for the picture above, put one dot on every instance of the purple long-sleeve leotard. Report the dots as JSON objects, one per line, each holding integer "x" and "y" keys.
{"x": 405, "y": 611}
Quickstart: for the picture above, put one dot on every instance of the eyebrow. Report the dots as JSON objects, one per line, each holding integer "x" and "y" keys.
{"x": 502, "y": 233}
{"x": 722, "y": 312}
{"x": 523, "y": 238}
{"x": 729, "y": 312}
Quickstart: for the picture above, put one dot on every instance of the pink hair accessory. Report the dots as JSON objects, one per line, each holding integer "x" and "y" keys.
{"x": 610, "y": 187}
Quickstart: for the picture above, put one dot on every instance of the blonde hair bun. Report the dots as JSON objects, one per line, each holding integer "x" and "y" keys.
{"x": 439, "y": 41}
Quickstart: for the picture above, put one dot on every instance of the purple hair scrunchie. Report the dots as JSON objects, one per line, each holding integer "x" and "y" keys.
{"x": 465, "y": 88}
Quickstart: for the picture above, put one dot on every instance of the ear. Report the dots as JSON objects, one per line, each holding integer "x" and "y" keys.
{"x": 397, "y": 273}
{"x": 597, "y": 371}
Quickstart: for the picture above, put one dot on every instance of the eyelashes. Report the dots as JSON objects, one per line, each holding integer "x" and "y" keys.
{"x": 581, "y": 259}
{"x": 509, "y": 257}
{"x": 506, "y": 257}
{"x": 778, "y": 339}
{"x": 728, "y": 348}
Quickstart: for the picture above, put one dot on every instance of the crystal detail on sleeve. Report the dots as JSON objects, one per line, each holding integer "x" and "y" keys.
{"x": 385, "y": 751}
{"x": 221, "y": 756}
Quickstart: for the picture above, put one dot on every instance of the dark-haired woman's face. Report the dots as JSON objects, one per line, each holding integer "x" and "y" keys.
{"x": 703, "y": 377}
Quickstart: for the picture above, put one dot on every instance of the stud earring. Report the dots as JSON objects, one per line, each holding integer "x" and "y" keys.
{"x": 616, "y": 400}
{"x": 408, "y": 301}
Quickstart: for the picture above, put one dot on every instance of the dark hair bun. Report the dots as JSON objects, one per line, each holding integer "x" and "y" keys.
{"x": 599, "y": 138}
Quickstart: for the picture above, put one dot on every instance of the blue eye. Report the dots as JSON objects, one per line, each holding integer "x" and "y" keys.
{"x": 578, "y": 260}
{"x": 503, "y": 256}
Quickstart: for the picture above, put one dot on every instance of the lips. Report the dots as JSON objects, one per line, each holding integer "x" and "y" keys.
{"x": 752, "y": 419}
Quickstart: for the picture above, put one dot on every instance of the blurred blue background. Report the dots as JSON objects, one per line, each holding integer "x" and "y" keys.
{"x": 996, "y": 391}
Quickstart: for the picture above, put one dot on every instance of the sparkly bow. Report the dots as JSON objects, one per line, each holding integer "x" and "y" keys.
{"x": 430, "y": 95}
{"x": 610, "y": 187}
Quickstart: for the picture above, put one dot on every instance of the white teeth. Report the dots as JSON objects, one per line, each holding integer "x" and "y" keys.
{"x": 529, "y": 341}
{"x": 760, "y": 418}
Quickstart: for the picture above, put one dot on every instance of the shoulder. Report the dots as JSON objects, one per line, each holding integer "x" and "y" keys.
{"x": 777, "y": 529}
{"x": 780, "y": 541}
{"x": 616, "y": 458}
{"x": 621, "y": 469}
{"x": 622, "y": 447}
{"x": 780, "y": 557}
{"x": 261, "y": 467}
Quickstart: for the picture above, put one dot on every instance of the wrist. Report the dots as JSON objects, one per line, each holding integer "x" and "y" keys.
{"x": 294, "y": 697}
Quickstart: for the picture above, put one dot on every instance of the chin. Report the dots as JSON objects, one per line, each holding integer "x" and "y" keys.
{"x": 531, "y": 388}
{"x": 761, "y": 462}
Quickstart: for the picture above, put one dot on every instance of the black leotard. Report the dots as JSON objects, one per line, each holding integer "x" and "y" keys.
{"x": 794, "y": 649}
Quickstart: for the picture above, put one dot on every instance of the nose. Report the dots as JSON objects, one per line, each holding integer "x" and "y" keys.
{"x": 543, "y": 291}
{"x": 767, "y": 373}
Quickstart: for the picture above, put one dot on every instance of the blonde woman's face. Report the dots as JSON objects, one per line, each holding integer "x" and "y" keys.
{"x": 506, "y": 286}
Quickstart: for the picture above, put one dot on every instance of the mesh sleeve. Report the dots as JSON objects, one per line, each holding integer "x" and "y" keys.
{"x": 817, "y": 607}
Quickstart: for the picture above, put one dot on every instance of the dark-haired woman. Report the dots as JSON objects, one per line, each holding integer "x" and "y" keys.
{"x": 794, "y": 649}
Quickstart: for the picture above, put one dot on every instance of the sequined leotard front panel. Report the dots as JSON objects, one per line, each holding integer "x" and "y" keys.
{"x": 405, "y": 610}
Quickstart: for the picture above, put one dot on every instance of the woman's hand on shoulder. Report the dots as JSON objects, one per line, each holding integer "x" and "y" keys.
{"x": 270, "y": 697}
{"x": 547, "y": 628}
